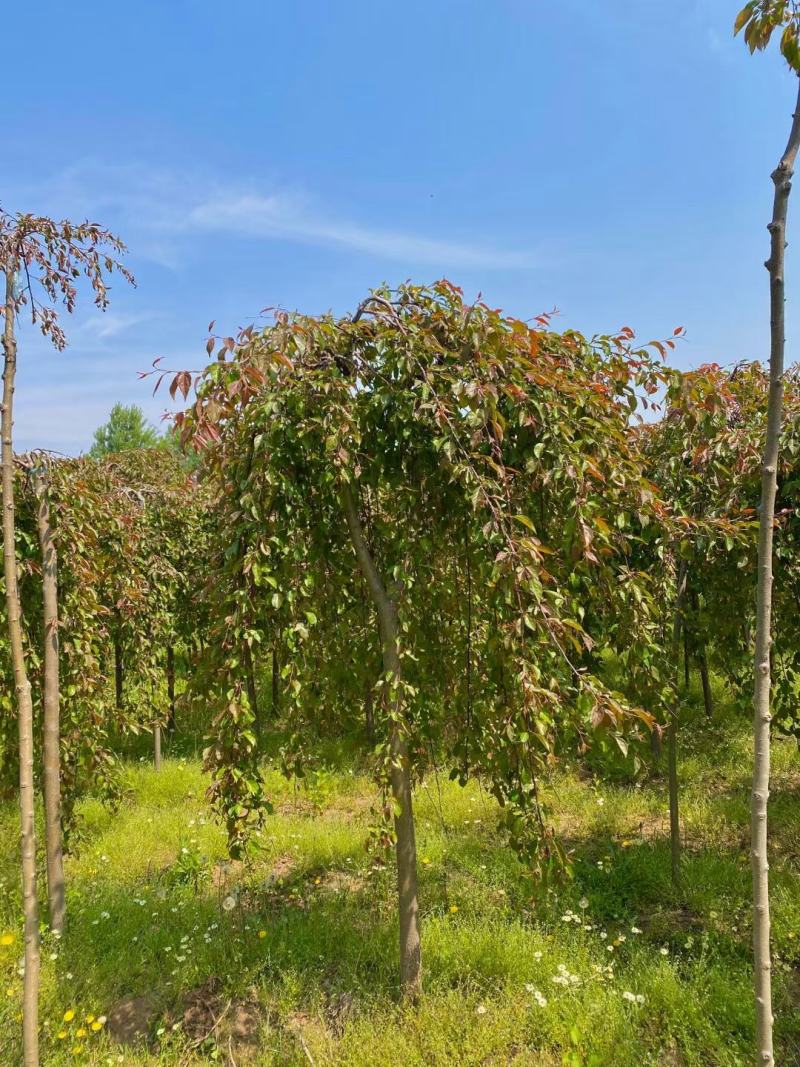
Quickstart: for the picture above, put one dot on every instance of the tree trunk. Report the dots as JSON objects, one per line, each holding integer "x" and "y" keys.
{"x": 686, "y": 666}
{"x": 252, "y": 692}
{"x": 782, "y": 178}
{"x": 672, "y": 735}
{"x": 276, "y": 680}
{"x": 51, "y": 705}
{"x": 400, "y": 774}
{"x": 369, "y": 711}
{"x": 171, "y": 689}
{"x": 22, "y": 686}
{"x": 708, "y": 699}
{"x": 157, "y": 746}
{"x": 702, "y": 661}
{"x": 118, "y": 667}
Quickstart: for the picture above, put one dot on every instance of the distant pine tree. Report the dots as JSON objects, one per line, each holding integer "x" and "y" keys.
{"x": 126, "y": 429}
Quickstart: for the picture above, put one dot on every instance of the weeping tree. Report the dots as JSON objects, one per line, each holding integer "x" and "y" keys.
{"x": 435, "y": 503}
{"x": 42, "y": 262}
{"x": 759, "y": 20}
{"x": 702, "y": 455}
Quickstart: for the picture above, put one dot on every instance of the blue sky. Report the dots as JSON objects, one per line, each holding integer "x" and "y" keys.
{"x": 610, "y": 158}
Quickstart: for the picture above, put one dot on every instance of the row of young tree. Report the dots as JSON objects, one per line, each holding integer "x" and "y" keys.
{"x": 440, "y": 525}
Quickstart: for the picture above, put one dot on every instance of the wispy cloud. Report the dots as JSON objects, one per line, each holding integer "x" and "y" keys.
{"x": 288, "y": 218}
{"x": 162, "y": 211}
{"x": 106, "y": 327}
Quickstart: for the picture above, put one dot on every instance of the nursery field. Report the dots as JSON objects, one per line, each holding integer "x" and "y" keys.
{"x": 176, "y": 955}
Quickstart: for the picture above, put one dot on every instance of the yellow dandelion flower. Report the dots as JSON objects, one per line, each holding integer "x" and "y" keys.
{"x": 453, "y": 908}
{"x": 426, "y": 860}
{"x": 317, "y": 881}
{"x": 97, "y": 1026}
{"x": 77, "y": 1050}
{"x": 90, "y": 1018}
{"x": 262, "y": 934}
{"x": 7, "y": 939}
{"x": 69, "y": 1016}
{"x": 61, "y": 1035}
{"x": 80, "y": 1032}
{"x": 9, "y": 992}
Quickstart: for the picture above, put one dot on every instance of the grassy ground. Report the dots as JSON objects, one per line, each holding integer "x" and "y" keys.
{"x": 614, "y": 968}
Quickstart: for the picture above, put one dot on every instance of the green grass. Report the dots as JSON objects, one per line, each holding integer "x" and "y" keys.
{"x": 310, "y": 946}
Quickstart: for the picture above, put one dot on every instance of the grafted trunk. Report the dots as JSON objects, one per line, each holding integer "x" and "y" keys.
{"x": 672, "y": 735}
{"x": 22, "y": 688}
{"x": 252, "y": 692}
{"x": 782, "y": 179}
{"x": 400, "y": 773}
{"x": 51, "y": 756}
{"x": 171, "y": 689}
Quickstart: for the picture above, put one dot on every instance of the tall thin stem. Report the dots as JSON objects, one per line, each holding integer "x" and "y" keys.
{"x": 400, "y": 771}
{"x": 51, "y": 703}
{"x": 782, "y": 179}
{"x": 22, "y": 687}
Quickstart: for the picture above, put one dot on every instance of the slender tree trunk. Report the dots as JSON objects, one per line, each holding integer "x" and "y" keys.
{"x": 118, "y": 669}
{"x": 369, "y": 711}
{"x": 400, "y": 774}
{"x": 252, "y": 692}
{"x": 276, "y": 680}
{"x": 708, "y": 699}
{"x": 22, "y": 686}
{"x": 672, "y": 735}
{"x": 686, "y": 665}
{"x": 171, "y": 689}
{"x": 782, "y": 179}
{"x": 51, "y": 704}
{"x": 702, "y": 660}
{"x": 157, "y": 746}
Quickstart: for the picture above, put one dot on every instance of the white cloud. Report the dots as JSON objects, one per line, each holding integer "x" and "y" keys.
{"x": 105, "y": 327}
{"x": 288, "y": 218}
{"x": 161, "y": 211}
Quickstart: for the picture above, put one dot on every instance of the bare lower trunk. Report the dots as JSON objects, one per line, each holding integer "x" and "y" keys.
{"x": 672, "y": 736}
{"x": 276, "y": 681}
{"x": 781, "y": 177}
{"x": 22, "y": 687}
{"x": 252, "y": 692}
{"x": 157, "y": 746}
{"x": 686, "y": 661}
{"x": 400, "y": 773}
{"x": 708, "y": 699}
{"x": 702, "y": 661}
{"x": 369, "y": 711}
{"x": 171, "y": 689}
{"x": 51, "y": 757}
{"x": 118, "y": 670}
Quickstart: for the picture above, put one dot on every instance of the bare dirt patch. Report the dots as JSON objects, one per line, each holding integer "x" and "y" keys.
{"x": 131, "y": 1019}
{"x": 229, "y": 1023}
